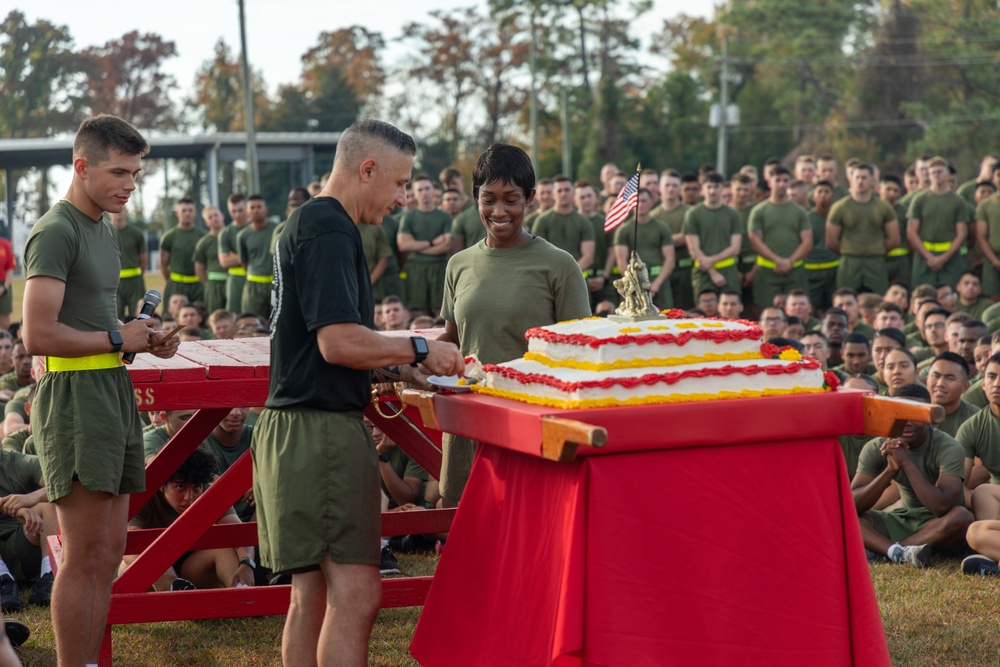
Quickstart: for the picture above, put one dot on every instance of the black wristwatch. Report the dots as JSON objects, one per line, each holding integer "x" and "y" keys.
{"x": 248, "y": 562}
{"x": 420, "y": 349}
{"x": 383, "y": 457}
{"x": 116, "y": 340}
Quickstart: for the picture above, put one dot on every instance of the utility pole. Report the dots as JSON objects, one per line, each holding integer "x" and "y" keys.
{"x": 567, "y": 149}
{"x": 253, "y": 173}
{"x": 721, "y": 147}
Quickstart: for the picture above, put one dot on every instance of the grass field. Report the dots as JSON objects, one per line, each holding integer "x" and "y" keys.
{"x": 932, "y": 617}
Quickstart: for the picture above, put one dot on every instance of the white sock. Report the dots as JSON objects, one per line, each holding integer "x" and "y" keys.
{"x": 892, "y": 550}
{"x": 4, "y": 571}
{"x": 46, "y": 567}
{"x": 385, "y": 543}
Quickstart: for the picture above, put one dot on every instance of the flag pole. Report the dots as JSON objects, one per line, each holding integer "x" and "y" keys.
{"x": 635, "y": 232}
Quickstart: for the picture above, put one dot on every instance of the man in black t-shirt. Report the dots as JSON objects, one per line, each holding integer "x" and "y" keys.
{"x": 316, "y": 479}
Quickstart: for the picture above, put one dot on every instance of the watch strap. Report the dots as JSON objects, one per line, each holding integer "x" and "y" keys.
{"x": 116, "y": 340}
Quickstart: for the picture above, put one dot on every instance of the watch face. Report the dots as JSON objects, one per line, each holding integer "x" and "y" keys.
{"x": 421, "y": 345}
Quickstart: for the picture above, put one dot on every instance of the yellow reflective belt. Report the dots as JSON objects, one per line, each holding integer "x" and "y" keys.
{"x": 237, "y": 271}
{"x": 217, "y": 276}
{"x": 589, "y": 273}
{"x": 181, "y": 278}
{"x": 259, "y": 279}
{"x": 94, "y": 362}
{"x": 655, "y": 271}
{"x": 685, "y": 262}
{"x": 402, "y": 275}
{"x": 898, "y": 252}
{"x": 768, "y": 264}
{"x": 130, "y": 273}
{"x": 616, "y": 271}
{"x": 722, "y": 263}
{"x": 937, "y": 247}
{"x": 823, "y": 265}
{"x": 748, "y": 259}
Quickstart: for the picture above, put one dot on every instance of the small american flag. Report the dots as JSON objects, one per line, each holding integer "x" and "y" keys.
{"x": 626, "y": 201}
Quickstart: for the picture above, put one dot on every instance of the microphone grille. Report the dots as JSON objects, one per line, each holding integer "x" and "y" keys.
{"x": 154, "y": 297}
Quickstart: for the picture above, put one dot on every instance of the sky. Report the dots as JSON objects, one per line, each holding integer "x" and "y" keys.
{"x": 278, "y": 31}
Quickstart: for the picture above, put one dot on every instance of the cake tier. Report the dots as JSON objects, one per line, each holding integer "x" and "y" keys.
{"x": 599, "y": 344}
{"x": 533, "y": 382}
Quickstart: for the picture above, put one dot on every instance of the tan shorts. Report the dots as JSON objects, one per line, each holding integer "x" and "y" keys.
{"x": 86, "y": 428}
{"x": 316, "y": 483}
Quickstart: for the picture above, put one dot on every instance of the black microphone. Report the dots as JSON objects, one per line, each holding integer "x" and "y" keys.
{"x": 150, "y": 303}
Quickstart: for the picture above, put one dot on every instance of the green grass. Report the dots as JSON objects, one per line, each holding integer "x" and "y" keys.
{"x": 932, "y": 617}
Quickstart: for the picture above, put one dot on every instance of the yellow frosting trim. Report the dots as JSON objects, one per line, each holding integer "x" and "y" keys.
{"x": 687, "y": 325}
{"x": 639, "y": 400}
{"x": 641, "y": 363}
{"x": 628, "y": 330}
{"x": 659, "y": 327}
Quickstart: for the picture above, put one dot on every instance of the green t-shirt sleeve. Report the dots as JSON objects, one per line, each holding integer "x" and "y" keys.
{"x": 870, "y": 461}
{"x": 572, "y": 298}
{"x": 50, "y": 252}
{"x": 622, "y": 234}
{"x": 413, "y": 469}
{"x": 200, "y": 254}
{"x": 735, "y": 224}
{"x": 804, "y": 225}
{"x": 952, "y": 461}
{"x": 755, "y": 223}
{"x": 967, "y": 438}
{"x": 405, "y": 225}
{"x": 241, "y": 246}
{"x": 382, "y": 247}
{"x": 167, "y": 240}
{"x": 690, "y": 223}
{"x": 836, "y": 215}
{"x": 586, "y": 230}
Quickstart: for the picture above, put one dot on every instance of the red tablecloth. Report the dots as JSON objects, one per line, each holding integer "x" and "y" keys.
{"x": 707, "y": 555}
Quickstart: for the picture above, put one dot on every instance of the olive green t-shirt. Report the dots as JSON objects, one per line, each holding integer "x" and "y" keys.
{"x": 9, "y": 382}
{"x": 132, "y": 242}
{"x": 714, "y": 227}
{"x": 375, "y": 243}
{"x": 652, "y": 237}
{"x": 779, "y": 225}
{"x": 976, "y": 310}
{"x": 180, "y": 243}
{"x": 404, "y": 467}
{"x": 907, "y": 199}
{"x": 206, "y": 252}
{"x": 674, "y": 218}
{"x": 819, "y": 254}
{"x": 989, "y": 212}
{"x": 153, "y": 441}
{"x": 15, "y": 441}
{"x": 938, "y": 215}
{"x": 82, "y": 252}
{"x": 16, "y": 403}
{"x": 390, "y": 225}
{"x": 425, "y": 226}
{"x": 19, "y": 473}
{"x": 468, "y": 227}
{"x": 976, "y": 395}
{"x": 565, "y": 231}
{"x": 228, "y": 455}
{"x": 862, "y": 225}
{"x": 940, "y": 456}
{"x": 746, "y": 250}
{"x": 852, "y": 446}
{"x": 227, "y": 238}
{"x": 494, "y": 295}
{"x": 602, "y": 241}
{"x": 255, "y": 249}
{"x": 980, "y": 436}
{"x": 967, "y": 191}
{"x": 952, "y": 422}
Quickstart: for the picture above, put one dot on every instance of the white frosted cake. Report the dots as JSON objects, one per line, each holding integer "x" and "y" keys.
{"x": 598, "y": 362}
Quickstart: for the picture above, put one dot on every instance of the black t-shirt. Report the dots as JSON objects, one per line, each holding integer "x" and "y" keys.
{"x": 320, "y": 278}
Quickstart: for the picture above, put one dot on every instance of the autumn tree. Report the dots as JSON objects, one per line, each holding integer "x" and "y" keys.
{"x": 125, "y": 77}
{"x": 355, "y": 54}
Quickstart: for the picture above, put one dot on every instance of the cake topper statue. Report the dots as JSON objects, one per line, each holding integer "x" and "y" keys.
{"x": 633, "y": 287}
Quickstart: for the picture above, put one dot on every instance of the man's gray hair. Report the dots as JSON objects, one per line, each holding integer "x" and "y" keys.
{"x": 368, "y": 136}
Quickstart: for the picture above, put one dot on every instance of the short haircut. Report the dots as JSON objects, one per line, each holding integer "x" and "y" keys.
{"x": 772, "y": 161}
{"x": 805, "y": 159}
{"x": 816, "y": 332}
{"x": 391, "y": 299}
{"x": 366, "y": 137}
{"x": 891, "y": 178}
{"x": 798, "y": 291}
{"x": 994, "y": 359}
{"x": 914, "y": 392}
{"x": 236, "y": 198}
{"x": 824, "y": 184}
{"x": 937, "y": 311}
{"x": 670, "y": 173}
{"x": 780, "y": 170}
{"x": 714, "y": 177}
{"x": 967, "y": 272}
{"x": 731, "y": 292}
{"x": 792, "y": 320}
{"x": 649, "y": 172}
{"x": 742, "y": 179}
{"x": 561, "y": 178}
{"x": 864, "y": 166}
{"x": 835, "y": 311}
{"x": 781, "y": 341}
{"x": 706, "y": 169}
{"x": 959, "y": 316}
{"x": 825, "y": 157}
{"x": 256, "y": 197}
{"x": 955, "y": 359}
{"x": 909, "y": 354}
{"x": 987, "y": 339}
{"x": 922, "y": 291}
{"x": 867, "y": 379}
{"x": 937, "y": 161}
{"x": 187, "y": 200}
{"x": 219, "y": 315}
{"x": 859, "y": 338}
{"x": 889, "y": 307}
{"x": 448, "y": 174}
{"x": 845, "y": 291}
{"x": 893, "y": 333}
{"x": 708, "y": 291}
{"x": 986, "y": 184}
{"x": 689, "y": 178}
{"x": 974, "y": 324}
{"x": 101, "y": 134}
{"x": 199, "y": 468}
{"x": 503, "y": 163}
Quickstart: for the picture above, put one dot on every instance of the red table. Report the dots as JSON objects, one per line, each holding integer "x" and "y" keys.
{"x": 701, "y": 534}
{"x": 214, "y": 377}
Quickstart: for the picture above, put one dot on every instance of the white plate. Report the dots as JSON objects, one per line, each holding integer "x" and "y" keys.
{"x": 449, "y": 382}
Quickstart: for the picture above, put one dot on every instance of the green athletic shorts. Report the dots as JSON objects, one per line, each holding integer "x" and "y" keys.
{"x": 900, "y": 523}
{"x": 316, "y": 483}
{"x": 130, "y": 293}
{"x": 680, "y": 282}
{"x": 193, "y": 291}
{"x": 456, "y": 464}
{"x": 215, "y": 296}
{"x": 234, "y": 293}
{"x": 425, "y": 285}
{"x": 257, "y": 299}
{"x": 87, "y": 429}
{"x": 23, "y": 559}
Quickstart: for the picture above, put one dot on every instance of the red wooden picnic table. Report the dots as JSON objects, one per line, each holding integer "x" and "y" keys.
{"x": 213, "y": 377}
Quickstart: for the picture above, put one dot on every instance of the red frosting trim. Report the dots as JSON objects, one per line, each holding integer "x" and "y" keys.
{"x": 652, "y": 378}
{"x": 723, "y": 336}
